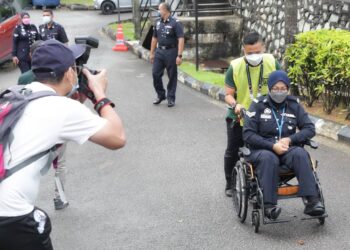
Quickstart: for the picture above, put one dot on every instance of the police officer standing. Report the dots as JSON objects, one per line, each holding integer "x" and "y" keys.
{"x": 24, "y": 35}
{"x": 52, "y": 30}
{"x": 245, "y": 79}
{"x": 169, "y": 36}
{"x": 270, "y": 130}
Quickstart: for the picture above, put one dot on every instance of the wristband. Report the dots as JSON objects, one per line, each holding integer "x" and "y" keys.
{"x": 100, "y": 104}
{"x": 179, "y": 56}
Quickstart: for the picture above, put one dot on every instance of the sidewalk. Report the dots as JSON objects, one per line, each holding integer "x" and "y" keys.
{"x": 335, "y": 131}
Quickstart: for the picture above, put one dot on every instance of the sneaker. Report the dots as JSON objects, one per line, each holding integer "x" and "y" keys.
{"x": 228, "y": 189}
{"x": 59, "y": 204}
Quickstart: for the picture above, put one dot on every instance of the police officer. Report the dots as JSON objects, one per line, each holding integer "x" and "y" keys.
{"x": 168, "y": 34}
{"x": 270, "y": 131}
{"x": 24, "y": 35}
{"x": 50, "y": 29}
{"x": 245, "y": 79}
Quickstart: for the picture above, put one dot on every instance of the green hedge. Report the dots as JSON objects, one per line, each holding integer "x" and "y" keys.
{"x": 318, "y": 63}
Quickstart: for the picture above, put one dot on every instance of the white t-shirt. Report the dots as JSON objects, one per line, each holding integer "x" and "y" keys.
{"x": 45, "y": 122}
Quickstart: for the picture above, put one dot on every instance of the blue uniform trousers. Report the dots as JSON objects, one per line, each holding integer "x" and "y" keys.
{"x": 267, "y": 165}
{"x": 24, "y": 65}
{"x": 165, "y": 59}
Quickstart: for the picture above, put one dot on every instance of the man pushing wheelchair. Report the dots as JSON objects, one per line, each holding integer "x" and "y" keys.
{"x": 270, "y": 132}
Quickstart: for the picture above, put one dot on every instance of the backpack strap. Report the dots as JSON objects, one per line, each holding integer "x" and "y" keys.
{"x": 52, "y": 154}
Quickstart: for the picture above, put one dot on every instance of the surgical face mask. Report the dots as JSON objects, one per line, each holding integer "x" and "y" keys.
{"x": 158, "y": 14}
{"x": 254, "y": 59}
{"x": 278, "y": 97}
{"x": 75, "y": 87}
{"x": 46, "y": 19}
{"x": 26, "y": 21}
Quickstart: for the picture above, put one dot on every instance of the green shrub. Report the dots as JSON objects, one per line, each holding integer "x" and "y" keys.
{"x": 318, "y": 63}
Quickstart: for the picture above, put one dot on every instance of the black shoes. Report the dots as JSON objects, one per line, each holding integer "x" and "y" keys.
{"x": 314, "y": 207}
{"x": 272, "y": 212}
{"x": 158, "y": 100}
{"x": 228, "y": 189}
{"x": 171, "y": 104}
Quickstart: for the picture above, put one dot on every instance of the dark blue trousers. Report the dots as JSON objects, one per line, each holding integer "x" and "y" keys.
{"x": 267, "y": 165}
{"x": 165, "y": 59}
{"x": 24, "y": 65}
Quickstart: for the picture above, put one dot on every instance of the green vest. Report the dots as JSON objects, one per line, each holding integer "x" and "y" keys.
{"x": 240, "y": 78}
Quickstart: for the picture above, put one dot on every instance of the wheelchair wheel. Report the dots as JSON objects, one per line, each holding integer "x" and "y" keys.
{"x": 256, "y": 221}
{"x": 239, "y": 192}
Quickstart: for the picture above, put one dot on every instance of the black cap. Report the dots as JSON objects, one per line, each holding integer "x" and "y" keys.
{"x": 52, "y": 58}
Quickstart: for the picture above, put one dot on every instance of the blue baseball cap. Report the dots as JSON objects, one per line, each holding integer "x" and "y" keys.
{"x": 277, "y": 76}
{"x": 52, "y": 58}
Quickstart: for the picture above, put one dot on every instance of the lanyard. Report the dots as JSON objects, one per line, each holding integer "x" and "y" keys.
{"x": 279, "y": 124}
{"x": 250, "y": 81}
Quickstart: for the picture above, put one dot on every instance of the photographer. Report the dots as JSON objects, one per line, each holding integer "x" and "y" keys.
{"x": 59, "y": 164}
{"x": 46, "y": 122}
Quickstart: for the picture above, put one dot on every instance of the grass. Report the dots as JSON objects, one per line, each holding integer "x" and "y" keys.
{"x": 203, "y": 76}
{"x": 85, "y": 2}
{"x": 128, "y": 29}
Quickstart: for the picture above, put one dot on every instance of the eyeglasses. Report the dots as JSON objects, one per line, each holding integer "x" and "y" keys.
{"x": 279, "y": 89}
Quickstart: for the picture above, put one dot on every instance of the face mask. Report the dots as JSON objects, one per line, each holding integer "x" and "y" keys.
{"x": 26, "y": 21}
{"x": 254, "y": 59}
{"x": 46, "y": 19}
{"x": 158, "y": 13}
{"x": 75, "y": 88}
{"x": 278, "y": 97}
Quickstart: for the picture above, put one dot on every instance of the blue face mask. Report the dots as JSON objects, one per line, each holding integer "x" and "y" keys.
{"x": 74, "y": 89}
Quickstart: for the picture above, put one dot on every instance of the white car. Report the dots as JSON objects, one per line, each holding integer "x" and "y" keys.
{"x": 109, "y": 6}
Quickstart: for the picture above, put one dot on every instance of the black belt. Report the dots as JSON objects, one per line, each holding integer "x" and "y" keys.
{"x": 167, "y": 47}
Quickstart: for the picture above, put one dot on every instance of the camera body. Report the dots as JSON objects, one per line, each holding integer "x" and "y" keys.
{"x": 88, "y": 42}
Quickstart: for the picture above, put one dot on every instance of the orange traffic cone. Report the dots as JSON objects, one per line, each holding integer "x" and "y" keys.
{"x": 119, "y": 45}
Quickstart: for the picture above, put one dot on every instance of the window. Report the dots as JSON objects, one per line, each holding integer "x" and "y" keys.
{"x": 6, "y": 11}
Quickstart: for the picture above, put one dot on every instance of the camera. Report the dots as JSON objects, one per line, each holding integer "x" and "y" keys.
{"x": 89, "y": 42}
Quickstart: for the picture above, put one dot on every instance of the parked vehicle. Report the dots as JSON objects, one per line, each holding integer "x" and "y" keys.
{"x": 109, "y": 6}
{"x": 9, "y": 18}
{"x": 45, "y": 3}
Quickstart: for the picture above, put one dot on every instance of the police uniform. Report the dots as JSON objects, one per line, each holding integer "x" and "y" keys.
{"x": 264, "y": 124}
{"x": 167, "y": 33}
{"x": 23, "y": 37}
{"x": 56, "y": 31}
{"x": 248, "y": 82}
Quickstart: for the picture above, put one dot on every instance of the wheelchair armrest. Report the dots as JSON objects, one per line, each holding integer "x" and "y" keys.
{"x": 311, "y": 143}
{"x": 245, "y": 151}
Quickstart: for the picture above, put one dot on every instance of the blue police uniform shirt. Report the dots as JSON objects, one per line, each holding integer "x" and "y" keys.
{"x": 56, "y": 31}
{"x": 168, "y": 31}
{"x": 261, "y": 123}
{"x": 23, "y": 37}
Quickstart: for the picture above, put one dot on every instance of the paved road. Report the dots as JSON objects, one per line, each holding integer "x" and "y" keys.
{"x": 164, "y": 190}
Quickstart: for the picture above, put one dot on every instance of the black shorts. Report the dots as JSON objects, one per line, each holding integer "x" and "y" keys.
{"x": 26, "y": 232}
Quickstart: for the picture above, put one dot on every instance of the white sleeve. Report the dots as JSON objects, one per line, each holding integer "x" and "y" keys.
{"x": 80, "y": 123}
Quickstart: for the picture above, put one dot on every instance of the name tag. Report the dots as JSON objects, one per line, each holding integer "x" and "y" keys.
{"x": 265, "y": 116}
{"x": 289, "y": 115}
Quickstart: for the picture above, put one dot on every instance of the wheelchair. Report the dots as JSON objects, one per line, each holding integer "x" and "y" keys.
{"x": 246, "y": 189}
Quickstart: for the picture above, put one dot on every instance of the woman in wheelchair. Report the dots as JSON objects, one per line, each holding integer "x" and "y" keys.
{"x": 270, "y": 132}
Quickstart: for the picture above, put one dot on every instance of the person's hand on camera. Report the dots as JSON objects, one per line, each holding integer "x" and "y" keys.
{"x": 97, "y": 83}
